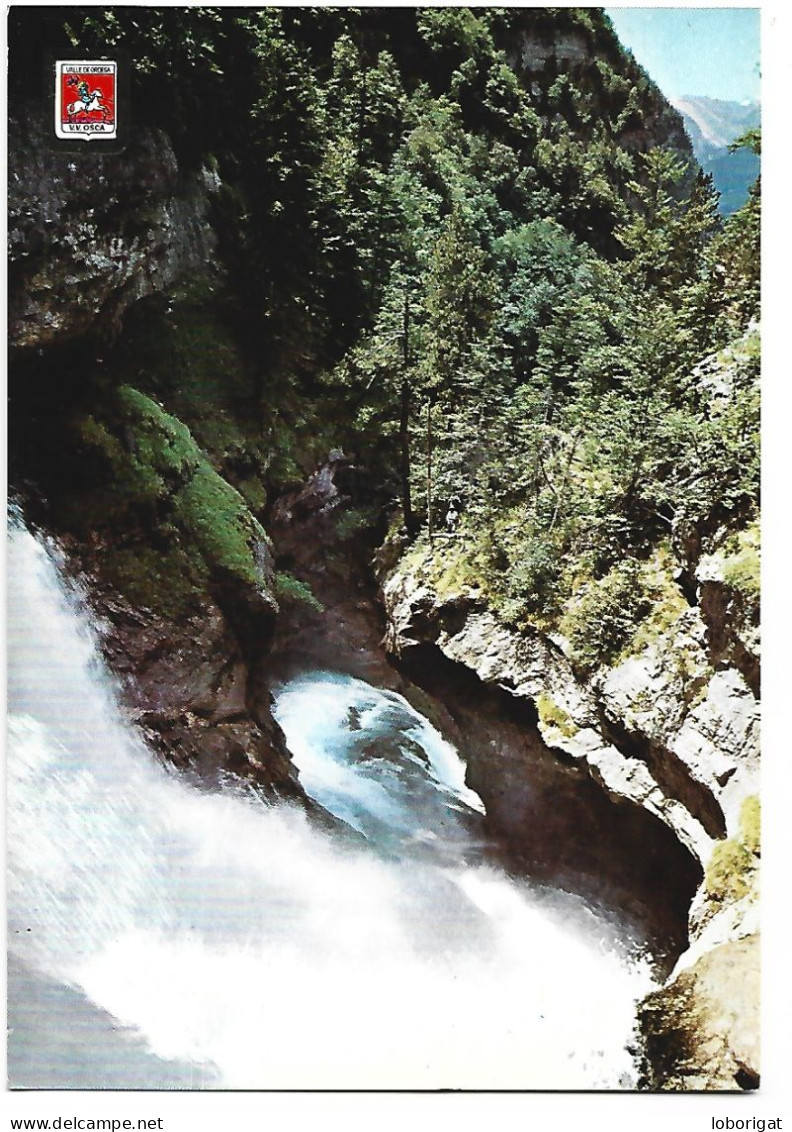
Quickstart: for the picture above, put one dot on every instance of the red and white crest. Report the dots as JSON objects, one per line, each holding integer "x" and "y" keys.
{"x": 86, "y": 99}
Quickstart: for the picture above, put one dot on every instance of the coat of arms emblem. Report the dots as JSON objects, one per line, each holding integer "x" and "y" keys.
{"x": 85, "y": 99}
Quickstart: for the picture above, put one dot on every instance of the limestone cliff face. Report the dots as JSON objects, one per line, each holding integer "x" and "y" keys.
{"x": 575, "y": 48}
{"x": 638, "y": 734}
{"x": 90, "y": 234}
{"x": 661, "y": 729}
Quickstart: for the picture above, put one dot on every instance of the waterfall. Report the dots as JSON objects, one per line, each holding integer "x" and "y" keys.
{"x": 165, "y": 935}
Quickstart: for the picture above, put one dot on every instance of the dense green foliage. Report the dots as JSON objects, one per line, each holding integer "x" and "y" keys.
{"x": 345, "y": 136}
{"x": 474, "y": 243}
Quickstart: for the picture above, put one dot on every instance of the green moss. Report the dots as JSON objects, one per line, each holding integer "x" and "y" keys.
{"x": 732, "y": 868}
{"x": 132, "y": 455}
{"x": 213, "y": 515}
{"x": 291, "y": 589}
{"x": 163, "y": 453}
{"x": 728, "y": 876}
{"x": 254, "y": 494}
{"x": 175, "y": 521}
{"x": 742, "y": 572}
{"x": 750, "y": 824}
{"x": 170, "y": 582}
{"x": 551, "y": 715}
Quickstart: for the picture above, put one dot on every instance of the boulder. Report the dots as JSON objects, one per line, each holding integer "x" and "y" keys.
{"x": 701, "y": 1031}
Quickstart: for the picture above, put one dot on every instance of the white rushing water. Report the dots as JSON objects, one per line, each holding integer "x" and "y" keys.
{"x": 163, "y": 935}
{"x": 369, "y": 758}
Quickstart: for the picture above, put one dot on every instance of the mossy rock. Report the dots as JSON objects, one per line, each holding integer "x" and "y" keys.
{"x": 214, "y": 516}
{"x": 554, "y": 717}
{"x": 738, "y": 562}
{"x": 728, "y": 876}
{"x": 750, "y": 824}
{"x": 186, "y": 353}
{"x": 173, "y": 526}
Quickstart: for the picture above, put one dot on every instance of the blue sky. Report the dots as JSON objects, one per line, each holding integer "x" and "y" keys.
{"x": 703, "y": 51}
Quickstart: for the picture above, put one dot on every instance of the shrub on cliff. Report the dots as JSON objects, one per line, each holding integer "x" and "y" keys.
{"x": 601, "y": 619}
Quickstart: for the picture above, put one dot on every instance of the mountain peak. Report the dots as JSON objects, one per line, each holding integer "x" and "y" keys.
{"x": 712, "y": 125}
{"x": 715, "y": 121}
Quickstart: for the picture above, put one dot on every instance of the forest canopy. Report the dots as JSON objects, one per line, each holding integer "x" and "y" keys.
{"x": 477, "y": 242}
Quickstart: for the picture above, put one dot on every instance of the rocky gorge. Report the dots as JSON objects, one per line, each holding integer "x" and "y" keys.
{"x": 225, "y": 546}
{"x": 659, "y": 751}
{"x": 664, "y": 732}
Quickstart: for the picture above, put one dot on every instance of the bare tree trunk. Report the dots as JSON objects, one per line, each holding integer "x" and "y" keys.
{"x": 404, "y": 425}
{"x": 565, "y": 478}
{"x": 404, "y": 432}
{"x": 429, "y": 469}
